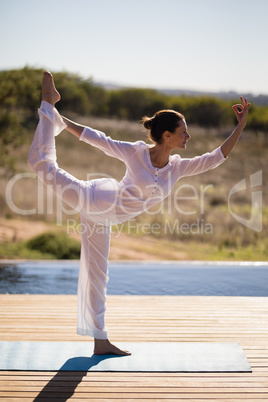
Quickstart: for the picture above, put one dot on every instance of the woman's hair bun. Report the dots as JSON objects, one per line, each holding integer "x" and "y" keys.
{"x": 147, "y": 122}
{"x": 161, "y": 121}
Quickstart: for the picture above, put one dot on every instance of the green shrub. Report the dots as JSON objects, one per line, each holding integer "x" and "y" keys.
{"x": 59, "y": 245}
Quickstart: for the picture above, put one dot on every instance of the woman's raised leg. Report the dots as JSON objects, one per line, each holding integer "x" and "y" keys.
{"x": 42, "y": 157}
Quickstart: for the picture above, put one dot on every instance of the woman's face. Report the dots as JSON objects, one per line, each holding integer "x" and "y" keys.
{"x": 180, "y": 137}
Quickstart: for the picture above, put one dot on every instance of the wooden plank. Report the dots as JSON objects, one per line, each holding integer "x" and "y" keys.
{"x": 195, "y": 399}
{"x": 152, "y": 385}
{"x": 141, "y": 395}
{"x": 138, "y": 376}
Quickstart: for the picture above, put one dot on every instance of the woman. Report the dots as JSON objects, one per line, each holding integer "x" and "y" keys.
{"x": 150, "y": 175}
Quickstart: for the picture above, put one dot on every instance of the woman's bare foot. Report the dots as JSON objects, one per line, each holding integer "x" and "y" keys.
{"x": 105, "y": 347}
{"x": 49, "y": 92}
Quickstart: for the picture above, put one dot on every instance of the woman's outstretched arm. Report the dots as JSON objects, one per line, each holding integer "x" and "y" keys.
{"x": 241, "y": 111}
{"x": 74, "y": 128}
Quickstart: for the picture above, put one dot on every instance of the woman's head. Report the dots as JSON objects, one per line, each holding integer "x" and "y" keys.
{"x": 164, "y": 120}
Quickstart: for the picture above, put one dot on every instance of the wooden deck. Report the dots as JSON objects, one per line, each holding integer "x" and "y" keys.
{"x": 140, "y": 319}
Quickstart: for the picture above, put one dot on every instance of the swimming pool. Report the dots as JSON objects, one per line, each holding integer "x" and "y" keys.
{"x": 140, "y": 278}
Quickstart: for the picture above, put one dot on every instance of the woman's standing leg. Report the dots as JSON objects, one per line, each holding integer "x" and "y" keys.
{"x": 92, "y": 286}
{"x": 93, "y": 278}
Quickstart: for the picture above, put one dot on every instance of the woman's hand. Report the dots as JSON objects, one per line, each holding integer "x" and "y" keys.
{"x": 241, "y": 111}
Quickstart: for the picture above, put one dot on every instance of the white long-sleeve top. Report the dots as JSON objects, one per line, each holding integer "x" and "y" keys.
{"x": 143, "y": 185}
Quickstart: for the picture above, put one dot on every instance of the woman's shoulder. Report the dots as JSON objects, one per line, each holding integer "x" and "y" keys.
{"x": 175, "y": 158}
{"x": 140, "y": 143}
{"x": 132, "y": 148}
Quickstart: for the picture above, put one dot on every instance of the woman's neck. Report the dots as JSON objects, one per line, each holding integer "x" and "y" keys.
{"x": 159, "y": 155}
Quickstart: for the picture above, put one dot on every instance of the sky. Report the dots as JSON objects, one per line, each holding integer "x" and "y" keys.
{"x": 204, "y": 45}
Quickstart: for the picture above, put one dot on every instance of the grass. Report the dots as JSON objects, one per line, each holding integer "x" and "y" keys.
{"x": 133, "y": 247}
{"x": 48, "y": 245}
{"x": 19, "y": 250}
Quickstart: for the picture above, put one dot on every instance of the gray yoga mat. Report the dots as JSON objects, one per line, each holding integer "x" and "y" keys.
{"x": 146, "y": 357}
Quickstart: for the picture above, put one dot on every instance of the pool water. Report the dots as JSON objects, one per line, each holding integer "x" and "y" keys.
{"x": 140, "y": 278}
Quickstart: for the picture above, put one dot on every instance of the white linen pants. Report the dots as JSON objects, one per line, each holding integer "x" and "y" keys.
{"x": 93, "y": 270}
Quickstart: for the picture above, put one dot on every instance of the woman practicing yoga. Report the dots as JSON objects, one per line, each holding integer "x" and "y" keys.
{"x": 150, "y": 175}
